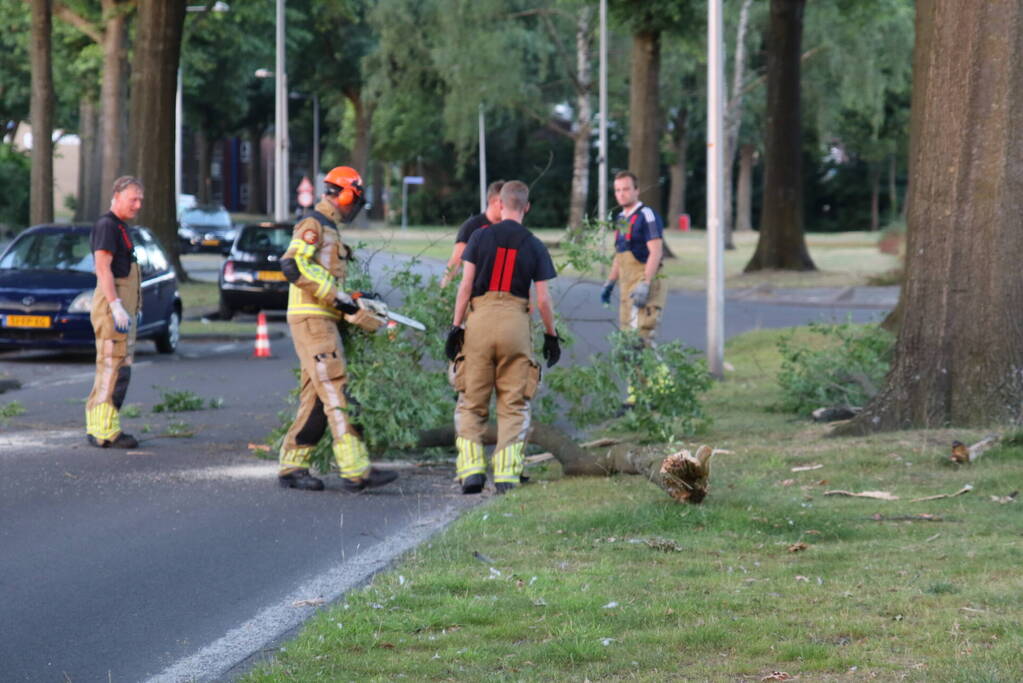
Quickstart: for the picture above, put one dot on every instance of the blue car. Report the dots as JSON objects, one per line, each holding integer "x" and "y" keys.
{"x": 47, "y": 278}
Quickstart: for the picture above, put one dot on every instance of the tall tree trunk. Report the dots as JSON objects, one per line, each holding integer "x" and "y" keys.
{"x": 203, "y": 157}
{"x": 154, "y": 85}
{"x": 733, "y": 119}
{"x": 363, "y": 121}
{"x": 875, "y": 196}
{"x": 254, "y": 172}
{"x": 960, "y": 345}
{"x": 645, "y": 116}
{"x": 744, "y": 189}
{"x": 41, "y": 105}
{"x": 583, "y": 122}
{"x": 112, "y": 91}
{"x": 377, "y": 210}
{"x": 893, "y": 192}
{"x": 680, "y": 143}
{"x": 782, "y": 243}
{"x": 89, "y": 162}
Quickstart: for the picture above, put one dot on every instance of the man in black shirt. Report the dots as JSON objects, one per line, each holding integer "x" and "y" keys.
{"x": 490, "y": 341}
{"x": 480, "y": 220}
{"x": 115, "y": 305}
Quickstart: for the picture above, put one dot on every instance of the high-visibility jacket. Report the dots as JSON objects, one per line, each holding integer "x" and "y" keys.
{"x": 315, "y": 264}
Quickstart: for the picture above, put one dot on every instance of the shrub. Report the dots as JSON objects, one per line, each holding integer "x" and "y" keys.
{"x": 665, "y": 384}
{"x": 15, "y": 178}
{"x": 845, "y": 366}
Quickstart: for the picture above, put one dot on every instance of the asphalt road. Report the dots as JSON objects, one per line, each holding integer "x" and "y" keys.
{"x": 180, "y": 560}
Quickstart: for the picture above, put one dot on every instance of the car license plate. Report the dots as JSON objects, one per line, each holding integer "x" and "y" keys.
{"x": 210, "y": 243}
{"x": 270, "y": 275}
{"x": 27, "y": 321}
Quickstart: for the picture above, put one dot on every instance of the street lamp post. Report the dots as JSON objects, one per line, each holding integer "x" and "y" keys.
{"x": 280, "y": 124}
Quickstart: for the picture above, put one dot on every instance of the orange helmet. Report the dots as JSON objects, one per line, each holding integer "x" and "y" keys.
{"x": 346, "y": 183}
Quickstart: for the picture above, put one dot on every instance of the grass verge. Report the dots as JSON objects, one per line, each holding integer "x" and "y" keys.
{"x": 843, "y": 259}
{"x": 607, "y": 579}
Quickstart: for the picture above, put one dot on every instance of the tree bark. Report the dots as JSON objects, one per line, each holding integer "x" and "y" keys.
{"x": 677, "y": 189}
{"x": 253, "y": 172}
{"x": 89, "y": 161}
{"x": 893, "y": 192}
{"x": 112, "y": 92}
{"x": 744, "y": 189}
{"x": 583, "y": 123}
{"x": 377, "y": 210}
{"x": 42, "y": 103}
{"x": 959, "y": 350}
{"x": 645, "y": 116}
{"x": 154, "y": 85}
{"x": 875, "y": 197}
{"x": 733, "y": 119}
{"x": 782, "y": 243}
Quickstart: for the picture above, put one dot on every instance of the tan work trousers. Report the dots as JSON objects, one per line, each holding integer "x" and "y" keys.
{"x": 644, "y": 320}
{"x": 321, "y": 400}
{"x": 114, "y": 354}
{"x": 497, "y": 355}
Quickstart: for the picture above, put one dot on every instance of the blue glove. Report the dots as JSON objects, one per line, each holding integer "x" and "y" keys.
{"x": 605, "y": 293}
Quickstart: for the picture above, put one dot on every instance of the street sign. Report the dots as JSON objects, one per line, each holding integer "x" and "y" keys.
{"x": 413, "y": 180}
{"x": 305, "y": 193}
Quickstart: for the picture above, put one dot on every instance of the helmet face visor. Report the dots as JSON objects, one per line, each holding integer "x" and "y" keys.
{"x": 350, "y": 211}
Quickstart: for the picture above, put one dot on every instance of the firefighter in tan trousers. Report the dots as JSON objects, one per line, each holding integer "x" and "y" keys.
{"x": 490, "y": 342}
{"x": 639, "y": 245}
{"x": 116, "y": 303}
{"x": 315, "y": 265}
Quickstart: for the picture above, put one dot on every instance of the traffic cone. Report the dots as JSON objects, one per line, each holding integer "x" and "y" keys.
{"x": 262, "y": 338}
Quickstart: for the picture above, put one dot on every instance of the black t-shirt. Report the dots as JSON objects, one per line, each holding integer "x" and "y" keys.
{"x": 508, "y": 258}
{"x": 478, "y": 221}
{"x": 111, "y": 234}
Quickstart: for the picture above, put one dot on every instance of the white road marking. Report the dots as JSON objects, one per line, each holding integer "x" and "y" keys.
{"x": 214, "y": 660}
{"x": 43, "y": 438}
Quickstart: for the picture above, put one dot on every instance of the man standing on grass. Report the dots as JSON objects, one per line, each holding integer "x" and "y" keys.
{"x": 482, "y": 220}
{"x": 639, "y": 246}
{"x": 490, "y": 341}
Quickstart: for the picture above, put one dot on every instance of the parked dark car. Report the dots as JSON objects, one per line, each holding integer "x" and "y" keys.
{"x": 251, "y": 278}
{"x": 206, "y": 228}
{"x": 47, "y": 278}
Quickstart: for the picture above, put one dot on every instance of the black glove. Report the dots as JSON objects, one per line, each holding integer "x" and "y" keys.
{"x": 345, "y": 303}
{"x": 552, "y": 348}
{"x": 456, "y": 335}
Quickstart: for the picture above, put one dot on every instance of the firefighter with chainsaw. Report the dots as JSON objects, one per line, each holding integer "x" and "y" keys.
{"x": 490, "y": 342}
{"x": 315, "y": 265}
{"x": 639, "y": 245}
{"x": 116, "y": 304}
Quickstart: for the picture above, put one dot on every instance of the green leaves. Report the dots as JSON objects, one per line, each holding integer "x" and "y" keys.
{"x": 843, "y": 365}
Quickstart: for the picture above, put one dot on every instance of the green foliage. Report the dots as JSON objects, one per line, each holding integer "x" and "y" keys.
{"x": 12, "y": 409}
{"x": 664, "y": 384}
{"x": 184, "y": 401}
{"x": 178, "y": 430}
{"x": 844, "y": 366}
{"x": 397, "y": 384}
{"x": 131, "y": 410}
{"x": 15, "y": 170}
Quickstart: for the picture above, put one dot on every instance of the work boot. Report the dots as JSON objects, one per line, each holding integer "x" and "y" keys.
{"x": 473, "y": 483}
{"x": 503, "y": 487}
{"x": 372, "y": 480}
{"x": 122, "y": 441}
{"x": 300, "y": 479}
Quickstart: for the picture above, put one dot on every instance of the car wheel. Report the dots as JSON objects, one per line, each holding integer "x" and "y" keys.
{"x": 167, "y": 341}
{"x": 224, "y": 311}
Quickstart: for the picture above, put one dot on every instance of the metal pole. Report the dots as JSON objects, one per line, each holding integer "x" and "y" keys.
{"x": 483, "y": 162}
{"x": 602, "y": 161}
{"x": 316, "y": 145}
{"x": 715, "y": 190}
{"x": 280, "y": 124}
{"x": 178, "y": 122}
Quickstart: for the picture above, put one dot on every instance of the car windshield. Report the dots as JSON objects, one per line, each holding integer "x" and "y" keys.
{"x": 50, "y": 250}
{"x": 213, "y": 217}
{"x": 259, "y": 238}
